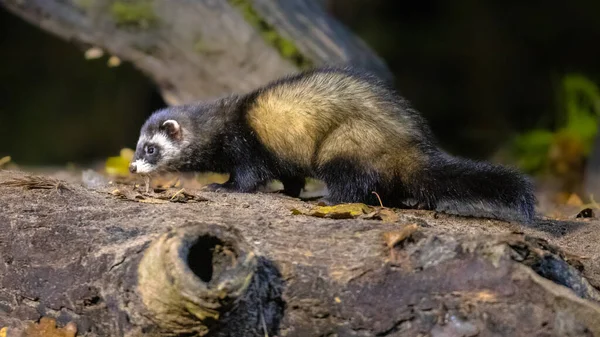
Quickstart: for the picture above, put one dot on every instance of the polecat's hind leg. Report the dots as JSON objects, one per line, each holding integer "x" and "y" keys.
{"x": 348, "y": 182}
{"x": 292, "y": 186}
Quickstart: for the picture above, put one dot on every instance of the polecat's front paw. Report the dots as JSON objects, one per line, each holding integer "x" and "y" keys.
{"x": 229, "y": 187}
{"x": 216, "y": 187}
{"x": 324, "y": 201}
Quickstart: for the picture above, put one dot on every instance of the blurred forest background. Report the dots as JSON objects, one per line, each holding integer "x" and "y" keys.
{"x": 510, "y": 81}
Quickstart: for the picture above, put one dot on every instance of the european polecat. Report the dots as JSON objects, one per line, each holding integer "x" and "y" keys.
{"x": 342, "y": 126}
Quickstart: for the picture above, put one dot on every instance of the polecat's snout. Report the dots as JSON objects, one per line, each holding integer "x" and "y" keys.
{"x": 132, "y": 168}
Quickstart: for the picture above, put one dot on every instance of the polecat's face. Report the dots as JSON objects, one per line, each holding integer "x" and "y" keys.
{"x": 158, "y": 147}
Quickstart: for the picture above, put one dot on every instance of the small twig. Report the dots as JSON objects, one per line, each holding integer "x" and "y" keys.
{"x": 177, "y": 193}
{"x": 592, "y": 204}
{"x": 378, "y": 198}
{"x": 35, "y": 182}
{"x": 147, "y": 182}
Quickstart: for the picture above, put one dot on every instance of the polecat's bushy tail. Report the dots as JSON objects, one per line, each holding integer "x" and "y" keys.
{"x": 469, "y": 188}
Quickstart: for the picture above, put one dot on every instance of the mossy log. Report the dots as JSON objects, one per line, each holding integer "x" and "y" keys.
{"x": 205, "y": 48}
{"x": 114, "y": 261}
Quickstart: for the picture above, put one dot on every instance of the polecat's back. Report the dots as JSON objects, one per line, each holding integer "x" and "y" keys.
{"x": 295, "y": 116}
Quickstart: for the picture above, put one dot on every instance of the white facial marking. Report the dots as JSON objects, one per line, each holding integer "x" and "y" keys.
{"x": 143, "y": 167}
{"x": 167, "y": 149}
{"x": 143, "y": 139}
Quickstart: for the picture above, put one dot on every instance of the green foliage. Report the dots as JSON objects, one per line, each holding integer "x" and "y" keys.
{"x": 582, "y": 103}
{"x": 138, "y": 13}
{"x": 85, "y": 4}
{"x": 285, "y": 47}
{"x": 531, "y": 149}
{"x": 574, "y": 136}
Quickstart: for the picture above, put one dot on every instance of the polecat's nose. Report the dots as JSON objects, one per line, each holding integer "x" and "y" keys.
{"x": 132, "y": 168}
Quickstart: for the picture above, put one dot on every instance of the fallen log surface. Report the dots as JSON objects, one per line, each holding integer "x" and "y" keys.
{"x": 201, "y": 49}
{"x": 115, "y": 261}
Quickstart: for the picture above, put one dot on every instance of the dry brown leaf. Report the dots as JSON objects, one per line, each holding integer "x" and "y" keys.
{"x": 47, "y": 328}
{"x": 149, "y": 200}
{"x": 159, "y": 198}
{"x": 383, "y": 214}
{"x": 394, "y": 238}
{"x": 183, "y": 196}
{"x": 117, "y": 193}
{"x": 342, "y": 211}
{"x": 574, "y": 200}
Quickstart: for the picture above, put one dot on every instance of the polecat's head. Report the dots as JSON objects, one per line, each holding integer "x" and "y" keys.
{"x": 185, "y": 137}
{"x": 160, "y": 144}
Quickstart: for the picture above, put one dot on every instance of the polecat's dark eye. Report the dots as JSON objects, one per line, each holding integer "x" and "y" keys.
{"x": 150, "y": 149}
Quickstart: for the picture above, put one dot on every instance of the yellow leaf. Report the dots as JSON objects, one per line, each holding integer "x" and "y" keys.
{"x": 4, "y": 161}
{"x": 114, "y": 61}
{"x": 119, "y": 166}
{"x": 93, "y": 53}
{"x": 3, "y": 332}
{"x": 127, "y": 153}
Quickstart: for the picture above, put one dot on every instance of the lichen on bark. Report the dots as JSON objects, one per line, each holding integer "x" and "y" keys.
{"x": 286, "y": 47}
{"x": 138, "y": 13}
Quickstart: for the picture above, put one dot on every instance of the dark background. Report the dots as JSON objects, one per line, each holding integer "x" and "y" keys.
{"x": 480, "y": 71}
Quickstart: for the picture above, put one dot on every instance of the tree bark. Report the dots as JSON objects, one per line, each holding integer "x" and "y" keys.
{"x": 117, "y": 262}
{"x": 205, "y": 48}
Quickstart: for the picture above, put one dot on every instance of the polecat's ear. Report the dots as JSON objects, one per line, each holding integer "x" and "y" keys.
{"x": 172, "y": 128}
